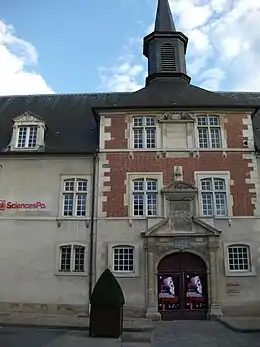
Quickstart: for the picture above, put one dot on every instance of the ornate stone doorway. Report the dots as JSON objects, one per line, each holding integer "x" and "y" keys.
{"x": 182, "y": 247}
{"x": 182, "y": 287}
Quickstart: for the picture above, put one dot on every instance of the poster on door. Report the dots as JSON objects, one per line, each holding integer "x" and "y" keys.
{"x": 169, "y": 292}
{"x": 195, "y": 291}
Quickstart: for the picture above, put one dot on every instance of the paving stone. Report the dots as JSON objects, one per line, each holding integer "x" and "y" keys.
{"x": 242, "y": 324}
{"x": 68, "y": 321}
{"x": 200, "y": 334}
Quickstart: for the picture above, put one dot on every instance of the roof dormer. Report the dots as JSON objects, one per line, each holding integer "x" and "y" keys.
{"x": 28, "y": 132}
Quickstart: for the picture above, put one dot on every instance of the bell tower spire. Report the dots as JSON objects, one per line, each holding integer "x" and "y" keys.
{"x": 164, "y": 21}
{"x": 165, "y": 48}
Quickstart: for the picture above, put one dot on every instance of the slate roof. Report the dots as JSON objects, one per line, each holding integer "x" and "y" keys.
{"x": 72, "y": 126}
{"x": 72, "y": 121}
{"x": 169, "y": 93}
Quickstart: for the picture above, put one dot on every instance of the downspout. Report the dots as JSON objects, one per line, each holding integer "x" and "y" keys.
{"x": 146, "y": 279}
{"x": 92, "y": 220}
{"x": 255, "y": 130}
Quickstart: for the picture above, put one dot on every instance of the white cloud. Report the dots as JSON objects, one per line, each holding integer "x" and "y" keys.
{"x": 17, "y": 57}
{"x": 123, "y": 75}
{"x": 190, "y": 14}
{"x": 223, "y": 50}
{"x": 211, "y": 78}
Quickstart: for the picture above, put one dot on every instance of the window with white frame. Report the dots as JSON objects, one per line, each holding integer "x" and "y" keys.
{"x": 213, "y": 192}
{"x": 145, "y": 197}
{"x": 72, "y": 258}
{"x": 239, "y": 258}
{"x": 123, "y": 259}
{"x": 144, "y": 132}
{"x": 27, "y": 136}
{"x": 28, "y": 132}
{"x": 75, "y": 192}
{"x": 209, "y": 131}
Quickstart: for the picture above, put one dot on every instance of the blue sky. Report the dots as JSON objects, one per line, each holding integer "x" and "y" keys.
{"x": 79, "y": 46}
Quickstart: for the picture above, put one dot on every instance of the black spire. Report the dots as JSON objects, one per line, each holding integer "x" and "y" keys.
{"x": 164, "y": 21}
{"x": 165, "y": 48}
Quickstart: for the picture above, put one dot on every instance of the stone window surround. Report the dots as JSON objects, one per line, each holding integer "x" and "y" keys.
{"x": 130, "y": 176}
{"x": 237, "y": 273}
{"x": 110, "y": 259}
{"x": 57, "y": 264}
{"x": 89, "y": 192}
{"x": 159, "y": 132}
{"x": 222, "y": 131}
{"x": 27, "y": 120}
{"x": 130, "y": 131}
{"x": 199, "y": 175}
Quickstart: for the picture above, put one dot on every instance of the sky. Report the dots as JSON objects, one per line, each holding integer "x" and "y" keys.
{"x": 89, "y": 46}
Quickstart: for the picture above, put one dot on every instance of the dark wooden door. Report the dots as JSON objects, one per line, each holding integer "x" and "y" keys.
{"x": 182, "y": 287}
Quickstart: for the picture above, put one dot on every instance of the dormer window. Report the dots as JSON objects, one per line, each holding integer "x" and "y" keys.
{"x": 27, "y": 137}
{"x": 28, "y": 132}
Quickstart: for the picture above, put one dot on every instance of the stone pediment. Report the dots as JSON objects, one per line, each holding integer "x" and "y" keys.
{"x": 180, "y": 190}
{"x": 169, "y": 117}
{"x": 28, "y": 117}
{"x": 198, "y": 228}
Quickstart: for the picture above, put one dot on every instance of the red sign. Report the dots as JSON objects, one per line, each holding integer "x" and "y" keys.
{"x": 21, "y": 206}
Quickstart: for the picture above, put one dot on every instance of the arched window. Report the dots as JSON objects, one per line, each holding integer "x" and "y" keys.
{"x": 168, "y": 63}
{"x": 123, "y": 259}
{"x": 239, "y": 258}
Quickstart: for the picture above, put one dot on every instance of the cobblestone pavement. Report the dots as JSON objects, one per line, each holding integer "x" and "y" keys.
{"x": 33, "y": 337}
{"x": 201, "y": 334}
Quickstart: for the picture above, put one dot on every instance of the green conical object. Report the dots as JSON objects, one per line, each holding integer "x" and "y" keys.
{"x": 107, "y": 292}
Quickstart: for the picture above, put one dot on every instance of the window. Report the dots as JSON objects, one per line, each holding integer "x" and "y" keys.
{"x": 213, "y": 196}
{"x": 144, "y": 132}
{"x": 75, "y": 197}
{"x": 168, "y": 63}
{"x": 27, "y": 136}
{"x": 72, "y": 258}
{"x": 28, "y": 132}
{"x": 238, "y": 258}
{"x": 145, "y": 197}
{"x": 209, "y": 132}
{"x": 123, "y": 259}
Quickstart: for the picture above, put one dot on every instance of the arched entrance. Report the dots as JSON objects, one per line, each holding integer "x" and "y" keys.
{"x": 182, "y": 287}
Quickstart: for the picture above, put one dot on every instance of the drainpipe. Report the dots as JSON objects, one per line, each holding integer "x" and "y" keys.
{"x": 92, "y": 220}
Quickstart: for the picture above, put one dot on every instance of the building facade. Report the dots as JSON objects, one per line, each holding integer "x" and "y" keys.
{"x": 46, "y": 205}
{"x": 160, "y": 185}
{"x": 179, "y": 204}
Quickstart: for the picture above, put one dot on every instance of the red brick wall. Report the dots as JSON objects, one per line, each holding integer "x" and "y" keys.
{"x": 121, "y": 163}
{"x": 233, "y": 126}
{"x": 117, "y": 131}
{"x": 234, "y": 129}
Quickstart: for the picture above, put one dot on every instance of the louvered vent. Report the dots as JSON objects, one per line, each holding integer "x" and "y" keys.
{"x": 168, "y": 58}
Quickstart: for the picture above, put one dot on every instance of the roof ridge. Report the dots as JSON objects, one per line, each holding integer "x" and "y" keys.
{"x": 61, "y": 94}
